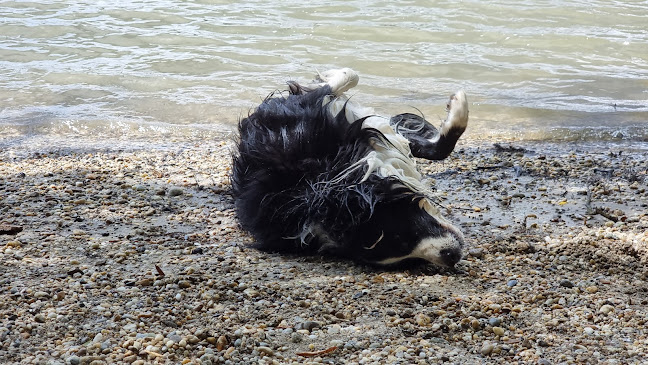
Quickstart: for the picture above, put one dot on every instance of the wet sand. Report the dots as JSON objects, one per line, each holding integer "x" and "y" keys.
{"x": 133, "y": 255}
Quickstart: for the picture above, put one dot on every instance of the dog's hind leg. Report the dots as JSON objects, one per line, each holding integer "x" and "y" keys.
{"x": 424, "y": 139}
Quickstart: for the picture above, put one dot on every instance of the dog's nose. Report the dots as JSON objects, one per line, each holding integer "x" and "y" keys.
{"x": 450, "y": 256}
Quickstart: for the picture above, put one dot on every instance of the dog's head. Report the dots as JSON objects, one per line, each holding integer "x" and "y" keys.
{"x": 408, "y": 227}
{"x": 377, "y": 208}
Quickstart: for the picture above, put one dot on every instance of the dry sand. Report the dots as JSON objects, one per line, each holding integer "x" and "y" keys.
{"x": 133, "y": 255}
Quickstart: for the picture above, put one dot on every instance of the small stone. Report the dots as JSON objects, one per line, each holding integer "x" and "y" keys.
{"x": 544, "y": 362}
{"x": 476, "y": 252}
{"x": 407, "y": 313}
{"x": 184, "y": 284}
{"x": 588, "y": 330}
{"x": 512, "y": 283}
{"x": 494, "y": 321}
{"x": 487, "y": 348}
{"x": 221, "y": 343}
{"x": 73, "y": 360}
{"x": 334, "y": 329}
{"x": 307, "y": 325}
{"x": 498, "y": 331}
{"x": 265, "y": 350}
{"x": 39, "y": 318}
{"x": 137, "y": 345}
{"x": 145, "y": 282}
{"x": 543, "y": 343}
{"x": 337, "y": 343}
{"x": 296, "y": 337}
{"x": 606, "y": 309}
{"x": 176, "y": 191}
{"x": 566, "y": 283}
{"x": 229, "y": 352}
{"x": 525, "y": 247}
{"x": 14, "y": 244}
{"x": 10, "y": 229}
{"x": 174, "y": 337}
{"x": 423, "y": 319}
{"x": 592, "y": 289}
{"x": 350, "y": 345}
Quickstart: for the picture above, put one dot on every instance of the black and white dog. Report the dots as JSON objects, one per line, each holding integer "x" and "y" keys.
{"x": 317, "y": 173}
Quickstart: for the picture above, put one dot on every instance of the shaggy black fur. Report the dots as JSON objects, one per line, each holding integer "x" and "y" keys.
{"x": 289, "y": 196}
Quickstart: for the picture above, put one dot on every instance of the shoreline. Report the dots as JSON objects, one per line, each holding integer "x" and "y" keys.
{"x": 133, "y": 255}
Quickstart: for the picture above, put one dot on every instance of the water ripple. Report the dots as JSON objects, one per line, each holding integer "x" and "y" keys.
{"x": 531, "y": 68}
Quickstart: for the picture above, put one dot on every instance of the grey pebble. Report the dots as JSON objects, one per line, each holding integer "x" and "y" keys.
{"x": 476, "y": 252}
{"x": 494, "y": 321}
{"x": 407, "y": 313}
{"x": 350, "y": 345}
{"x": 296, "y": 337}
{"x": 487, "y": 348}
{"x": 566, "y": 283}
{"x": 173, "y": 337}
{"x": 512, "y": 283}
{"x": 175, "y": 191}
{"x": 265, "y": 350}
{"x": 307, "y": 325}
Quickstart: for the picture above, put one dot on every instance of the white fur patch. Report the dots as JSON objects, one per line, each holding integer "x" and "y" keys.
{"x": 428, "y": 249}
{"x": 391, "y": 157}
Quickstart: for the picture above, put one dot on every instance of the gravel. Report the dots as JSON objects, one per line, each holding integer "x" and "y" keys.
{"x": 134, "y": 256}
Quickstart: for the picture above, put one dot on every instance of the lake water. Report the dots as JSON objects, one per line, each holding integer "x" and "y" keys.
{"x": 533, "y": 70}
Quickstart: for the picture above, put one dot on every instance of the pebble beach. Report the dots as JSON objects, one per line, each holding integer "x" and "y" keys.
{"x": 132, "y": 254}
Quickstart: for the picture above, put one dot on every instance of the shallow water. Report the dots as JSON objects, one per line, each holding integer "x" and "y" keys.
{"x": 533, "y": 70}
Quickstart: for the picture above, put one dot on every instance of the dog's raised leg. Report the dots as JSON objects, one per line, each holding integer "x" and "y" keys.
{"x": 340, "y": 80}
{"x": 425, "y": 140}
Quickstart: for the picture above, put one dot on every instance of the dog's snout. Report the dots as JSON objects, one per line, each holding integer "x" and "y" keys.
{"x": 450, "y": 256}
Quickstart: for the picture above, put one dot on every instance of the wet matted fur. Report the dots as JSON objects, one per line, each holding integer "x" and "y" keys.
{"x": 316, "y": 173}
